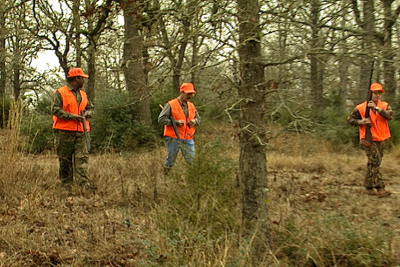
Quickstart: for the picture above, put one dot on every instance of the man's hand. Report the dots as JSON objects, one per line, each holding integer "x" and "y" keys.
{"x": 180, "y": 122}
{"x": 372, "y": 104}
{"x": 78, "y": 118}
{"x": 365, "y": 121}
{"x": 192, "y": 122}
{"x": 87, "y": 113}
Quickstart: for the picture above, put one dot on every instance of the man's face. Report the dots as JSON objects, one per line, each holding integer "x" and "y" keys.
{"x": 80, "y": 81}
{"x": 376, "y": 96}
{"x": 186, "y": 96}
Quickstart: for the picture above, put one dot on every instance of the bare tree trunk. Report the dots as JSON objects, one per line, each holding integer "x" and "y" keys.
{"x": 316, "y": 62}
{"x": 195, "y": 59}
{"x": 283, "y": 32}
{"x": 133, "y": 66}
{"x": 2, "y": 52}
{"x": 368, "y": 39}
{"x": 177, "y": 68}
{"x": 91, "y": 69}
{"x": 16, "y": 81}
{"x": 77, "y": 25}
{"x": 16, "y": 68}
{"x": 388, "y": 51}
{"x": 252, "y": 161}
{"x": 344, "y": 64}
{"x": 91, "y": 55}
{"x": 16, "y": 62}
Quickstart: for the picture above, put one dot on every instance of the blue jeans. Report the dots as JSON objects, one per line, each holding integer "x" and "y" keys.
{"x": 174, "y": 145}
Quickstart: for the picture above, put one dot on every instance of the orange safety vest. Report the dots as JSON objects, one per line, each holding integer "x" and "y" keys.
{"x": 186, "y": 131}
{"x": 379, "y": 125}
{"x": 70, "y": 104}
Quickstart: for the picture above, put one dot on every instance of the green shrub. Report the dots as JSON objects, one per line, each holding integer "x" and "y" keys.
{"x": 336, "y": 130}
{"x": 116, "y": 126}
{"x": 395, "y": 130}
{"x": 203, "y": 207}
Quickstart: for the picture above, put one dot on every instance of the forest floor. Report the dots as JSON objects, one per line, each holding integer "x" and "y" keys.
{"x": 139, "y": 217}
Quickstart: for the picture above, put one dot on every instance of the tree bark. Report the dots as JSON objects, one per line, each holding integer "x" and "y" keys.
{"x": 388, "y": 51}
{"x": 91, "y": 55}
{"x": 133, "y": 66}
{"x": 91, "y": 69}
{"x": 317, "y": 66}
{"x": 367, "y": 58}
{"x": 16, "y": 68}
{"x": 181, "y": 55}
{"x": 77, "y": 25}
{"x": 253, "y": 161}
{"x": 344, "y": 64}
{"x": 195, "y": 60}
{"x": 2, "y": 52}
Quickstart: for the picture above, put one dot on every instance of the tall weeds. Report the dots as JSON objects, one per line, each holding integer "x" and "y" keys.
{"x": 192, "y": 217}
{"x": 10, "y": 160}
{"x": 200, "y": 219}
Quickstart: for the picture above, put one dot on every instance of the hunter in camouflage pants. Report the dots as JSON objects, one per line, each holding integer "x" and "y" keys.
{"x": 373, "y": 177}
{"x": 73, "y": 157}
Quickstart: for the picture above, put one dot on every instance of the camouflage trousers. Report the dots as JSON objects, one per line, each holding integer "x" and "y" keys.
{"x": 373, "y": 177}
{"x": 73, "y": 157}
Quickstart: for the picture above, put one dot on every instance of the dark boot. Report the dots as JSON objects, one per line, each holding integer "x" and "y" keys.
{"x": 382, "y": 192}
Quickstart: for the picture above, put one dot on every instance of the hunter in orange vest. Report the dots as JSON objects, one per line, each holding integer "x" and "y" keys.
{"x": 69, "y": 103}
{"x": 179, "y": 117}
{"x": 380, "y": 113}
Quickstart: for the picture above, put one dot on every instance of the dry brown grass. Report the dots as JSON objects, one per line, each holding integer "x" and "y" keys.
{"x": 139, "y": 217}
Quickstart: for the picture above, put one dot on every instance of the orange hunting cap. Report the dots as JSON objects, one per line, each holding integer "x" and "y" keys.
{"x": 377, "y": 87}
{"x": 188, "y": 88}
{"x": 77, "y": 72}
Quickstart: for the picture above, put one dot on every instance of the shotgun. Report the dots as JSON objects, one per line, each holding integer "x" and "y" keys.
{"x": 173, "y": 124}
{"x": 87, "y": 137}
{"x": 367, "y": 141}
{"x": 175, "y": 127}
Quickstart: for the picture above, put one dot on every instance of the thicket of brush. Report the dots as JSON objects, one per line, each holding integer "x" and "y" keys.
{"x": 192, "y": 217}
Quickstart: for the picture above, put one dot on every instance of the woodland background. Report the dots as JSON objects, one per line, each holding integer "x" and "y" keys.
{"x": 317, "y": 57}
{"x": 310, "y": 63}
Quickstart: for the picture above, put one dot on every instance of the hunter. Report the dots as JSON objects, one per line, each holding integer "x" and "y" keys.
{"x": 380, "y": 113}
{"x": 179, "y": 117}
{"x": 73, "y": 155}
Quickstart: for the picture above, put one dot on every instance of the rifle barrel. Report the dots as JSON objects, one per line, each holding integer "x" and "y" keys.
{"x": 368, "y": 133}
{"x": 87, "y": 137}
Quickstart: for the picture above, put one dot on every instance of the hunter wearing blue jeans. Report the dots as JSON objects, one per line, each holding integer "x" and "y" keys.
{"x": 179, "y": 117}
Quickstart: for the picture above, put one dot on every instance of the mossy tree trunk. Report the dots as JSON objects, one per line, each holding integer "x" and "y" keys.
{"x": 134, "y": 69}
{"x": 253, "y": 161}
